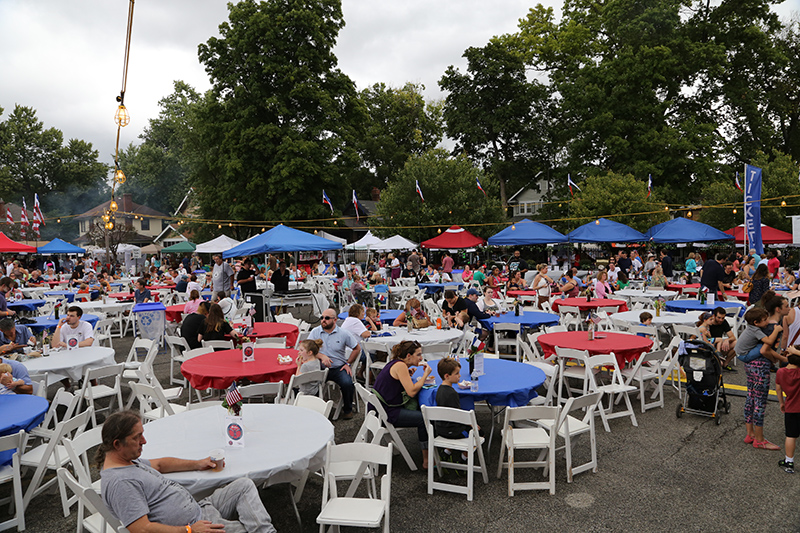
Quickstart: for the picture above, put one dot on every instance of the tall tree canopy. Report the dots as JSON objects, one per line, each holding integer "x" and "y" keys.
{"x": 281, "y": 119}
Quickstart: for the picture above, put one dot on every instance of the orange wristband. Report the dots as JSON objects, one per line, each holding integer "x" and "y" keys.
{"x": 188, "y": 528}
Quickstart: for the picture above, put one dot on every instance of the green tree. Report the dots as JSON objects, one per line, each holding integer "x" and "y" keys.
{"x": 620, "y": 197}
{"x": 451, "y": 195}
{"x": 281, "y": 121}
{"x": 400, "y": 124}
{"x": 498, "y": 117}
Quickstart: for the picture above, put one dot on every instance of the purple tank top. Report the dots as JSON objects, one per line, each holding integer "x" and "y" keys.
{"x": 391, "y": 390}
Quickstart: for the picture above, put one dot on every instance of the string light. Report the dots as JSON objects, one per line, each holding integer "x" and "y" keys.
{"x": 439, "y": 230}
{"x": 597, "y": 222}
{"x": 734, "y": 211}
{"x": 119, "y": 176}
{"x": 122, "y": 118}
{"x": 58, "y": 220}
{"x": 783, "y": 203}
{"x": 513, "y": 227}
{"x": 113, "y": 206}
{"x": 689, "y": 214}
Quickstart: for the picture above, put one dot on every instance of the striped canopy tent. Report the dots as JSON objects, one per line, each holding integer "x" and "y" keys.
{"x": 454, "y": 237}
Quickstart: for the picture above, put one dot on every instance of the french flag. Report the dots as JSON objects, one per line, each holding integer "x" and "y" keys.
{"x": 355, "y": 204}
{"x": 476, "y": 181}
{"x": 738, "y": 186}
{"x": 649, "y": 185}
{"x": 419, "y": 191}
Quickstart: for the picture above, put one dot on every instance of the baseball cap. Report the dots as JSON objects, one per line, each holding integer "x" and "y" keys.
{"x": 472, "y": 291}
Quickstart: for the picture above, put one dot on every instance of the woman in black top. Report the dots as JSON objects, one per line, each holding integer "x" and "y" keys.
{"x": 760, "y": 283}
{"x": 215, "y": 327}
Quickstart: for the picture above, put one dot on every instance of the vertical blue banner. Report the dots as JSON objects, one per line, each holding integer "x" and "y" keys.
{"x": 752, "y": 207}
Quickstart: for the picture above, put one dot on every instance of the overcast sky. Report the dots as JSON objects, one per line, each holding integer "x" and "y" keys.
{"x": 64, "y": 58}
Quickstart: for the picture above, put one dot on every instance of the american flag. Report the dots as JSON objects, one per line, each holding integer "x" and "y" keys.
{"x": 355, "y": 204}
{"x": 419, "y": 191}
{"x": 23, "y": 219}
{"x": 37, "y": 210}
{"x": 9, "y": 218}
{"x": 233, "y": 396}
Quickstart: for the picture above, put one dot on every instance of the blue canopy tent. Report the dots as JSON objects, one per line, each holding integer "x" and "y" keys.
{"x": 604, "y": 230}
{"x": 526, "y": 232}
{"x": 282, "y": 239}
{"x": 685, "y": 230}
{"x": 57, "y": 246}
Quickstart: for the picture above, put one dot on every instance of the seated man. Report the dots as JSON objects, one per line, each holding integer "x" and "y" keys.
{"x": 720, "y": 329}
{"x": 13, "y": 338}
{"x": 72, "y": 331}
{"x": 138, "y": 494}
{"x": 19, "y": 382}
{"x": 334, "y": 354}
{"x": 142, "y": 294}
{"x": 36, "y": 279}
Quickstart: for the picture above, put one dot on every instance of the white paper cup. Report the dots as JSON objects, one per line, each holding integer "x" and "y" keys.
{"x": 218, "y": 456}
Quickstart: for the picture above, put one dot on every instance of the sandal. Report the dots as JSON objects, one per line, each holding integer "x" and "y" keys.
{"x": 749, "y": 439}
{"x": 765, "y": 445}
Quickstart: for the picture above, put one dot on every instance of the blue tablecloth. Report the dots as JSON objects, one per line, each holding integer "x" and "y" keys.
{"x": 49, "y": 324}
{"x": 20, "y": 411}
{"x": 433, "y": 288}
{"x": 505, "y": 383}
{"x": 528, "y": 319}
{"x": 681, "y": 306}
{"x": 68, "y": 295}
{"x": 387, "y": 315}
{"x": 25, "y": 305}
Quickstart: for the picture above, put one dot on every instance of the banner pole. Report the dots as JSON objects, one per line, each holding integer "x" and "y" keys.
{"x": 744, "y": 209}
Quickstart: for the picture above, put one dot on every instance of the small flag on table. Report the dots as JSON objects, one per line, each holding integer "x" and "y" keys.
{"x": 233, "y": 396}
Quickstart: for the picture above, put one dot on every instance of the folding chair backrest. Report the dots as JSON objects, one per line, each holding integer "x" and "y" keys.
{"x": 449, "y": 414}
{"x": 371, "y": 429}
{"x": 176, "y": 344}
{"x": 271, "y": 342}
{"x": 314, "y": 403}
{"x": 440, "y": 350}
{"x": 77, "y": 449}
{"x": 92, "y": 500}
{"x": 222, "y": 345}
{"x": 571, "y": 309}
{"x": 601, "y": 361}
{"x": 263, "y": 389}
{"x": 587, "y": 401}
{"x": 686, "y": 332}
{"x": 188, "y": 354}
{"x": 569, "y": 353}
{"x": 15, "y": 442}
{"x": 109, "y": 371}
{"x": 555, "y": 329}
{"x": 149, "y": 395}
{"x": 63, "y": 399}
{"x": 530, "y": 412}
{"x": 369, "y": 398}
{"x": 314, "y": 376}
{"x": 139, "y": 344}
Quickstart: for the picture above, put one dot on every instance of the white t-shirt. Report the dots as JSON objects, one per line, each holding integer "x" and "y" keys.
{"x": 193, "y": 286}
{"x": 354, "y": 326}
{"x": 612, "y": 274}
{"x": 81, "y": 333}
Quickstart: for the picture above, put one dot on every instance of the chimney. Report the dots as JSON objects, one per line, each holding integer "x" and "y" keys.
{"x": 376, "y": 194}
{"x": 127, "y": 203}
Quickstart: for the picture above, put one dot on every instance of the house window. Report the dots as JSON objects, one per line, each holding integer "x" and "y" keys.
{"x": 145, "y": 224}
{"x": 83, "y": 226}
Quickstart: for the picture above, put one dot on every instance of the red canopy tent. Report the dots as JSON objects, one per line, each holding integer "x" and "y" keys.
{"x": 7, "y": 245}
{"x": 454, "y": 237}
{"x": 768, "y": 235}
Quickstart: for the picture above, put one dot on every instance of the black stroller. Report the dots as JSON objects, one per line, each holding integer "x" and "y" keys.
{"x": 705, "y": 391}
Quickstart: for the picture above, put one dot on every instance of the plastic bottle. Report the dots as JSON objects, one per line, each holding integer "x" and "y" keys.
{"x": 474, "y": 384}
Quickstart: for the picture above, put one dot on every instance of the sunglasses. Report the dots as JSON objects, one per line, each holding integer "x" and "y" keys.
{"x": 327, "y": 318}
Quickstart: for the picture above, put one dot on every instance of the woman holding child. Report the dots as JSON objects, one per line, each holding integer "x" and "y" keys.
{"x": 394, "y": 380}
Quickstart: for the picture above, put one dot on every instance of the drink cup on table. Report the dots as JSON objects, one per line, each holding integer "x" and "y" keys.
{"x": 218, "y": 456}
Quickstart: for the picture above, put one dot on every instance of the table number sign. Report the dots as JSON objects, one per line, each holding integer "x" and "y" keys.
{"x": 234, "y": 431}
{"x": 248, "y": 352}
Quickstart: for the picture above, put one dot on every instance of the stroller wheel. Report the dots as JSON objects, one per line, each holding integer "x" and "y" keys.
{"x": 718, "y": 418}
{"x": 679, "y": 410}
{"x": 727, "y": 408}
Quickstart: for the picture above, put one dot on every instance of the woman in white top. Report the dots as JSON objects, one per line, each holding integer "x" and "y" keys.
{"x": 487, "y": 304}
{"x": 541, "y": 283}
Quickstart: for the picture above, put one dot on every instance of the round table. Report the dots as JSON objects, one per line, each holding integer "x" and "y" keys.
{"x": 20, "y": 411}
{"x": 430, "y": 335}
{"x": 281, "y": 442}
{"x": 65, "y": 363}
{"x": 174, "y": 313}
{"x": 57, "y": 283}
{"x": 504, "y": 383}
{"x": 68, "y": 295}
{"x": 218, "y": 370}
{"x": 681, "y": 306}
{"x": 517, "y": 294}
{"x": 625, "y": 347}
{"x": 263, "y": 330}
{"x": 528, "y": 319}
{"x": 49, "y": 324}
{"x": 433, "y": 288}
{"x": 667, "y": 317}
{"x": 743, "y": 296}
{"x": 681, "y": 286}
{"x": 121, "y": 296}
{"x": 25, "y": 305}
{"x": 108, "y": 307}
{"x": 649, "y": 293}
{"x": 387, "y": 315}
{"x": 591, "y": 305}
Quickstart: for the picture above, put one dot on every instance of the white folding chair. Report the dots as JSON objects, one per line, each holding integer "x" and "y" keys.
{"x": 671, "y": 368}
{"x": 686, "y": 332}
{"x": 63, "y": 400}
{"x": 39, "y": 382}
{"x": 348, "y": 510}
{"x": 576, "y": 370}
{"x": 371, "y": 348}
{"x": 177, "y": 349}
{"x": 102, "y": 521}
{"x": 470, "y": 444}
{"x": 102, "y": 332}
{"x": 190, "y": 354}
{"x": 52, "y": 455}
{"x": 132, "y": 362}
{"x": 203, "y": 405}
{"x": 436, "y": 351}
{"x": 152, "y": 404}
{"x": 596, "y": 366}
{"x": 218, "y": 345}
{"x": 132, "y": 368}
{"x": 261, "y": 390}
{"x": 647, "y": 370}
{"x": 651, "y": 332}
{"x": 315, "y": 404}
{"x": 518, "y": 437}
{"x": 369, "y": 398}
{"x": 89, "y": 393}
{"x": 551, "y": 381}
{"x": 271, "y": 342}
{"x": 570, "y": 316}
{"x": 12, "y": 473}
{"x": 555, "y": 329}
{"x": 77, "y": 449}
{"x": 314, "y": 376}
{"x": 503, "y": 340}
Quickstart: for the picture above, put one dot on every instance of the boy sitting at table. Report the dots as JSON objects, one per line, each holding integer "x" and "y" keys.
{"x": 372, "y": 319}
{"x": 446, "y": 396}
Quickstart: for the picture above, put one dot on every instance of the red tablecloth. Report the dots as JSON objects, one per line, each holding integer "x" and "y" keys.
{"x": 56, "y": 283}
{"x": 219, "y": 369}
{"x": 263, "y": 330}
{"x": 591, "y": 305}
{"x": 625, "y": 347}
{"x": 737, "y": 294}
{"x": 729, "y": 294}
{"x": 175, "y": 312}
{"x": 156, "y": 287}
{"x": 532, "y": 294}
{"x": 121, "y": 296}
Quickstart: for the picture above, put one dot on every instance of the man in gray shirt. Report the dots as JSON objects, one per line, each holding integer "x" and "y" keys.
{"x": 221, "y": 276}
{"x": 139, "y": 495}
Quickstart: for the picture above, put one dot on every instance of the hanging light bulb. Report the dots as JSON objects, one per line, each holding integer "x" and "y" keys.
{"x": 262, "y": 230}
{"x": 105, "y": 218}
{"x": 666, "y": 208}
{"x": 439, "y": 230}
{"x": 513, "y": 227}
{"x": 783, "y": 203}
{"x": 58, "y": 220}
{"x": 230, "y": 225}
{"x": 597, "y": 222}
{"x": 689, "y": 214}
{"x": 119, "y": 176}
{"x": 122, "y": 117}
{"x": 559, "y": 205}
{"x": 734, "y": 210}
{"x": 113, "y": 206}
{"x": 219, "y": 226}
{"x": 335, "y": 222}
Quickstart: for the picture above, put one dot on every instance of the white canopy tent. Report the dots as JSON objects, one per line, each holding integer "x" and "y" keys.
{"x": 396, "y": 242}
{"x": 223, "y": 243}
{"x": 326, "y": 235}
{"x": 367, "y": 242}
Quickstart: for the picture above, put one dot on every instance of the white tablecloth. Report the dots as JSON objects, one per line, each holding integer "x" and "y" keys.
{"x": 650, "y": 293}
{"x": 430, "y": 335}
{"x": 112, "y": 306}
{"x": 70, "y": 363}
{"x": 281, "y": 442}
{"x": 666, "y": 318}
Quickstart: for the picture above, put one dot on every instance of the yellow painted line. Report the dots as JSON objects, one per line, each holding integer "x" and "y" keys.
{"x": 736, "y": 387}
